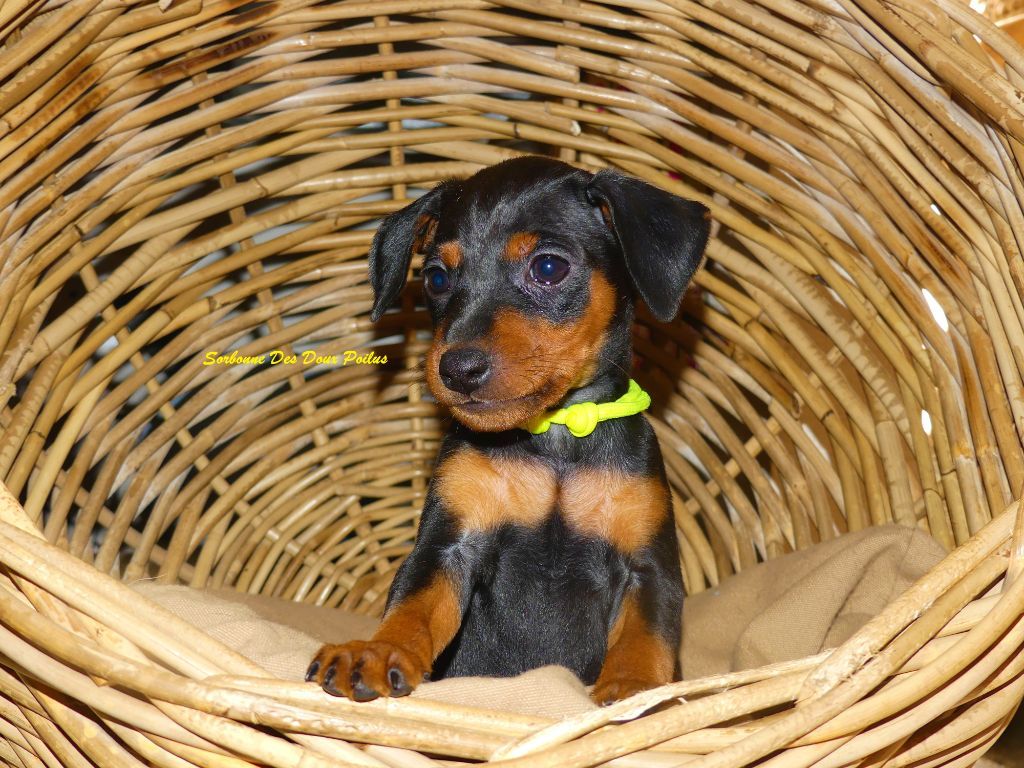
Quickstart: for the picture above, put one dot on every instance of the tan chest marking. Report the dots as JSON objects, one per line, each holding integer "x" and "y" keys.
{"x": 623, "y": 509}
{"x": 484, "y": 492}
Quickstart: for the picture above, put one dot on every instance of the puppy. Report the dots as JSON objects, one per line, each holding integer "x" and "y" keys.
{"x": 540, "y": 542}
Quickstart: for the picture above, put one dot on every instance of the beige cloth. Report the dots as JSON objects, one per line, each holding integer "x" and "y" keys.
{"x": 803, "y": 603}
{"x": 794, "y": 606}
{"x": 282, "y": 637}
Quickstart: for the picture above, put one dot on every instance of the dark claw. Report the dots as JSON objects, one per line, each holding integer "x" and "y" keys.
{"x": 361, "y": 691}
{"x": 399, "y": 687}
{"x": 426, "y": 677}
{"x": 328, "y": 683}
{"x": 311, "y": 672}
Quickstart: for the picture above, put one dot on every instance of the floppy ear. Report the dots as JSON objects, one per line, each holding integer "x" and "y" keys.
{"x": 410, "y": 229}
{"x": 662, "y": 236}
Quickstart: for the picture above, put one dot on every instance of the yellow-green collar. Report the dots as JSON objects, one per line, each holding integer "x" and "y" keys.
{"x": 582, "y": 418}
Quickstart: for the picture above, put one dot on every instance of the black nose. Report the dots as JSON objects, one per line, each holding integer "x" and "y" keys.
{"x": 464, "y": 369}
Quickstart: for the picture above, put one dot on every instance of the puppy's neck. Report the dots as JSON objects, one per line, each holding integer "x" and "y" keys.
{"x": 612, "y": 372}
{"x": 606, "y": 387}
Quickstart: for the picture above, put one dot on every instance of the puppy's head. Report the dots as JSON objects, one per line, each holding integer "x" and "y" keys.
{"x": 529, "y": 268}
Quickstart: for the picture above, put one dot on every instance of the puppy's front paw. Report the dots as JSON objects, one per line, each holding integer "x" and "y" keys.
{"x": 363, "y": 670}
{"x": 609, "y": 690}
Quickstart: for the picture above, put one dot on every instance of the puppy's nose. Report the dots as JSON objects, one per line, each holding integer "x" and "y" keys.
{"x": 464, "y": 369}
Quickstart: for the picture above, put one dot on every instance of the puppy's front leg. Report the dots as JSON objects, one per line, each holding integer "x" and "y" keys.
{"x": 423, "y": 614}
{"x": 643, "y": 643}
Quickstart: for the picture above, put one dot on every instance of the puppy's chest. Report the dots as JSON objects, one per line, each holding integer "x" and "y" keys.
{"x": 483, "y": 492}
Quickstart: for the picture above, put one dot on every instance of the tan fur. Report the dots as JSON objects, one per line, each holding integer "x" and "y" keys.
{"x": 637, "y": 658}
{"x": 535, "y": 362}
{"x": 625, "y": 510}
{"x": 425, "y": 622}
{"x": 433, "y": 362}
{"x": 412, "y": 634}
{"x": 519, "y": 246}
{"x": 483, "y": 492}
{"x": 450, "y": 253}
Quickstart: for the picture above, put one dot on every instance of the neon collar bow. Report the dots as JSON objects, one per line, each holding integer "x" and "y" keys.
{"x": 581, "y": 419}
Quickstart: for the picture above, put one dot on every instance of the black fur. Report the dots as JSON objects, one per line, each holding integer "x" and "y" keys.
{"x": 391, "y": 249}
{"x": 662, "y": 237}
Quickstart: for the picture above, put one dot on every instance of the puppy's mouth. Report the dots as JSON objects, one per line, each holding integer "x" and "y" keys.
{"x": 475, "y": 405}
{"x": 496, "y": 415}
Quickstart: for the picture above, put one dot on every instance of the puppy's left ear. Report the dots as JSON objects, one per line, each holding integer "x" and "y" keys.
{"x": 410, "y": 229}
{"x": 662, "y": 236}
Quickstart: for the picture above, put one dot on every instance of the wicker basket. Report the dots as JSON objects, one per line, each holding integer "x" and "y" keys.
{"x": 204, "y": 175}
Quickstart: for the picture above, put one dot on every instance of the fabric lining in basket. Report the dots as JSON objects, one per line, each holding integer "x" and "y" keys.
{"x": 797, "y": 605}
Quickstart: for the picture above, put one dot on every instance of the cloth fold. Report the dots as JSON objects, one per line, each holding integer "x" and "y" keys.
{"x": 802, "y": 603}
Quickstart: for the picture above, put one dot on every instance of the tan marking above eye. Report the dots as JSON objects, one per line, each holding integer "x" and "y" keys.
{"x": 450, "y": 253}
{"x": 520, "y": 245}
{"x": 483, "y": 492}
{"x": 625, "y": 510}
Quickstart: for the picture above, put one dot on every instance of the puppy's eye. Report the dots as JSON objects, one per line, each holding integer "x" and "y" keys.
{"x": 547, "y": 269}
{"x": 436, "y": 280}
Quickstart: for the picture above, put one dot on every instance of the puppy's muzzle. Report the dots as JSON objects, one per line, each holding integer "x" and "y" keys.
{"x": 464, "y": 369}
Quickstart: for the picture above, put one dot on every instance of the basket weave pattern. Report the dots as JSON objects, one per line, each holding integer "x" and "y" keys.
{"x": 193, "y": 178}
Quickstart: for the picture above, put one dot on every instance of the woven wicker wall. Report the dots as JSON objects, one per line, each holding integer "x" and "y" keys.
{"x": 1000, "y": 11}
{"x": 211, "y": 189}
{"x": 205, "y": 177}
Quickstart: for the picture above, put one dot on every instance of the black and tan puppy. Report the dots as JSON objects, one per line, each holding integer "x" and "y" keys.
{"x": 548, "y": 548}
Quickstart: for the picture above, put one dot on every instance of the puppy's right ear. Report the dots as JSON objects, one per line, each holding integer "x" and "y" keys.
{"x": 399, "y": 235}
